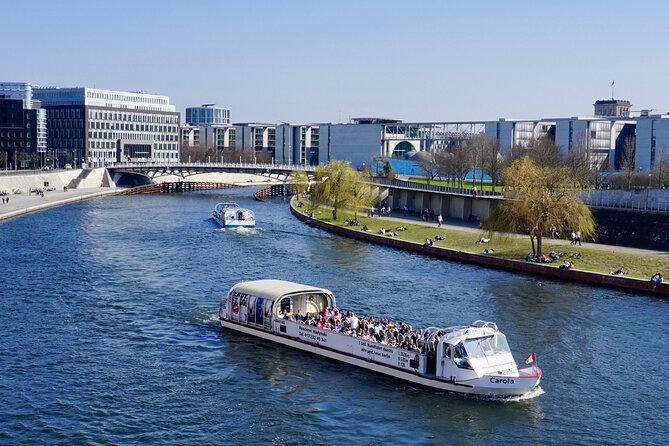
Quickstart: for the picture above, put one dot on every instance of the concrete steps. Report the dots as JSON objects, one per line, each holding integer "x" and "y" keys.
{"x": 82, "y": 176}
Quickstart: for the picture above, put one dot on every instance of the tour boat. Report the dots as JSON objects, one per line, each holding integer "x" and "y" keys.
{"x": 230, "y": 215}
{"x": 474, "y": 359}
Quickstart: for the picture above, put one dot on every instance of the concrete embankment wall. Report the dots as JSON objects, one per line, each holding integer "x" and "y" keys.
{"x": 607, "y": 280}
{"x": 638, "y": 229}
{"x": 24, "y": 183}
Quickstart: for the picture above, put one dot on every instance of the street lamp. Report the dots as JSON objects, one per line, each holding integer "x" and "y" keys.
{"x": 650, "y": 175}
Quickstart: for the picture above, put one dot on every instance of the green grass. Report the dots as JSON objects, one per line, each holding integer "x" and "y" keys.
{"x": 594, "y": 260}
{"x": 487, "y": 185}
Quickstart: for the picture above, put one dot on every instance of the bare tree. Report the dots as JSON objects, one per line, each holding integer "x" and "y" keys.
{"x": 545, "y": 153}
{"x": 492, "y": 161}
{"x": 627, "y": 164}
{"x": 660, "y": 170}
{"x": 428, "y": 164}
{"x": 580, "y": 167}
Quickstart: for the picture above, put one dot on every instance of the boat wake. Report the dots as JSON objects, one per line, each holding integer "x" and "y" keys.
{"x": 537, "y": 391}
{"x": 244, "y": 231}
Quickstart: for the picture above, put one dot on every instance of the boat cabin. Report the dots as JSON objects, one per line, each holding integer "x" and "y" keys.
{"x": 257, "y": 303}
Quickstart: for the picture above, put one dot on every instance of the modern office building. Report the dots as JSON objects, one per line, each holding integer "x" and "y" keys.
{"x": 207, "y": 114}
{"x": 257, "y": 137}
{"x": 22, "y": 127}
{"x": 94, "y": 127}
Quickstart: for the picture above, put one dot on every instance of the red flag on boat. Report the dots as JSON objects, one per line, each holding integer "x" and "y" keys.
{"x": 531, "y": 359}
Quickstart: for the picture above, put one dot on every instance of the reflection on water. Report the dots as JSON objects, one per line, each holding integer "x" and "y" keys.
{"x": 110, "y": 335}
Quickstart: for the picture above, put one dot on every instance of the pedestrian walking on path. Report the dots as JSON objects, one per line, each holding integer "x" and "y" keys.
{"x": 440, "y": 220}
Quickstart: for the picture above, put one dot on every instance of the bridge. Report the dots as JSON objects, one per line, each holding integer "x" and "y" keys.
{"x": 184, "y": 170}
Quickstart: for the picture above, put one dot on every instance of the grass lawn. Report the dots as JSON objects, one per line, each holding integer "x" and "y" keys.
{"x": 595, "y": 260}
{"x": 487, "y": 185}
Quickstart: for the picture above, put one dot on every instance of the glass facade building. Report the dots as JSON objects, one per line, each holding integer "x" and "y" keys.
{"x": 22, "y": 127}
{"x": 207, "y": 114}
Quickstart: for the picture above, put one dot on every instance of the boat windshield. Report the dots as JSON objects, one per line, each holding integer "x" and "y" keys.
{"x": 485, "y": 347}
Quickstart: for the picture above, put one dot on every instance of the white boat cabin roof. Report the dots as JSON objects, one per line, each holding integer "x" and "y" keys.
{"x": 275, "y": 289}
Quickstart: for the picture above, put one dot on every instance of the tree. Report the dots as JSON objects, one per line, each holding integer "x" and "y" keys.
{"x": 428, "y": 164}
{"x": 627, "y": 160}
{"x": 660, "y": 168}
{"x": 492, "y": 161}
{"x": 580, "y": 168}
{"x": 536, "y": 201}
{"x": 298, "y": 182}
{"x": 330, "y": 185}
{"x": 361, "y": 193}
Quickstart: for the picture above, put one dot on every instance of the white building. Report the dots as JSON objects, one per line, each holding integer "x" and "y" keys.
{"x": 97, "y": 127}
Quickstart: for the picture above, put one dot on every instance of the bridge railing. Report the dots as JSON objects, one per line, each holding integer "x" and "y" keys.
{"x": 436, "y": 188}
{"x": 254, "y": 166}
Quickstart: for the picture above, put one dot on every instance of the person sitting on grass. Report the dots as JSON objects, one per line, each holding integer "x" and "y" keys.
{"x": 656, "y": 279}
{"x": 566, "y": 265}
{"x": 382, "y": 231}
{"x": 528, "y": 257}
{"x": 488, "y": 251}
{"x": 393, "y": 234}
{"x": 483, "y": 240}
{"x": 365, "y": 228}
{"x": 619, "y": 272}
{"x": 428, "y": 242}
{"x": 402, "y": 228}
{"x": 439, "y": 237}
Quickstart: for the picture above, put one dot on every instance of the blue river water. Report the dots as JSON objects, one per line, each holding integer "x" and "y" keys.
{"x": 109, "y": 335}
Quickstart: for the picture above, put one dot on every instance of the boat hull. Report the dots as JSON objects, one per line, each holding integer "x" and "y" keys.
{"x": 234, "y": 224}
{"x": 483, "y": 386}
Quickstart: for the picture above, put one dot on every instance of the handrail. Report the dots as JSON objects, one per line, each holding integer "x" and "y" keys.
{"x": 435, "y": 188}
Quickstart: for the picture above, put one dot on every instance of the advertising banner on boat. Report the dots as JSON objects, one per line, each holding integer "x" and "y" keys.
{"x": 371, "y": 351}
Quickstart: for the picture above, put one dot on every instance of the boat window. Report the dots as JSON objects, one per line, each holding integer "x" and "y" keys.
{"x": 259, "y": 311}
{"x": 447, "y": 350}
{"x": 286, "y": 305}
{"x": 460, "y": 356}
{"x": 252, "y": 310}
{"x": 486, "y": 347}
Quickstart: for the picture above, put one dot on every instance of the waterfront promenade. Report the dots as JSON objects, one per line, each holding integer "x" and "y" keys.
{"x": 21, "y": 204}
{"x": 590, "y": 263}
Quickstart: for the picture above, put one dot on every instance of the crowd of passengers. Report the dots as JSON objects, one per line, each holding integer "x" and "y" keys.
{"x": 379, "y": 330}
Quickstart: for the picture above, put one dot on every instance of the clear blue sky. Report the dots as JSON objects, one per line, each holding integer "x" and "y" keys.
{"x": 317, "y": 61}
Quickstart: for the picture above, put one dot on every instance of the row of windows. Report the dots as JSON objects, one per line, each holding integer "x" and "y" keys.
{"x": 116, "y": 135}
{"x": 17, "y": 134}
{"x": 15, "y": 144}
{"x": 106, "y": 125}
{"x": 112, "y": 145}
{"x": 59, "y": 113}
{"x": 126, "y": 98}
{"x": 133, "y": 117}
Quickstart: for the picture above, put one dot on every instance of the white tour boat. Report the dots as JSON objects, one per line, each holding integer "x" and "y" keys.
{"x": 473, "y": 359}
{"x": 230, "y": 215}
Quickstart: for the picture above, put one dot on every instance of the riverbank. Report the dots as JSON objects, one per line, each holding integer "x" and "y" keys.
{"x": 462, "y": 244}
{"x": 21, "y": 204}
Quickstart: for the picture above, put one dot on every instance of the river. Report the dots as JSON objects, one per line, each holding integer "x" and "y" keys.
{"x": 109, "y": 335}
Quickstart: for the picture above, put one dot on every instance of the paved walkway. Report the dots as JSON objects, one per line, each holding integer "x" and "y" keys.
{"x": 459, "y": 225}
{"x": 20, "y": 204}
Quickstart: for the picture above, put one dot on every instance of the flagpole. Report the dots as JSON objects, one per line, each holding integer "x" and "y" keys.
{"x": 613, "y": 90}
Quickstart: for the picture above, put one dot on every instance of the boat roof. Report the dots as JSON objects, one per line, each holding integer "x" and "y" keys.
{"x": 275, "y": 289}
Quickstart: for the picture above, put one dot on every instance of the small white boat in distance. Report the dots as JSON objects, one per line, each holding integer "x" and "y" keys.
{"x": 473, "y": 359}
{"x": 230, "y": 215}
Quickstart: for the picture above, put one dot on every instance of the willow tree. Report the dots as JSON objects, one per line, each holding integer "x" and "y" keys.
{"x": 361, "y": 193}
{"x": 537, "y": 200}
{"x": 331, "y": 185}
{"x": 298, "y": 182}
{"x": 340, "y": 186}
